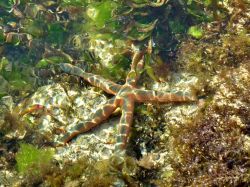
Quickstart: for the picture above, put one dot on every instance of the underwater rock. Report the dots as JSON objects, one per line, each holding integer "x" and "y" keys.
{"x": 65, "y": 107}
{"x": 234, "y": 83}
{"x": 97, "y": 143}
{"x": 152, "y": 121}
{"x": 103, "y": 50}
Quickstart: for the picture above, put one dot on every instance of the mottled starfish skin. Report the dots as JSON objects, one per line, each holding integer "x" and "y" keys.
{"x": 125, "y": 97}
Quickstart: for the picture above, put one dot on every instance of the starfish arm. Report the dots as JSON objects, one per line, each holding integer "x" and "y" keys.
{"x": 136, "y": 68}
{"x": 100, "y": 115}
{"x": 137, "y": 62}
{"x": 96, "y": 80}
{"x": 125, "y": 123}
{"x": 158, "y": 96}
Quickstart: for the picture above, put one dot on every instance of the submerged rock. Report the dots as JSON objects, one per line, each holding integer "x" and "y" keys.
{"x": 63, "y": 108}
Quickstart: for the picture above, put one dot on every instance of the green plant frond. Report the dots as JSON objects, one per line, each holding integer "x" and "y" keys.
{"x": 141, "y": 27}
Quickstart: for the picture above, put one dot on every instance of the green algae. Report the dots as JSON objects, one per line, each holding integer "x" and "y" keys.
{"x": 87, "y": 172}
{"x": 36, "y": 28}
{"x": 7, "y": 3}
{"x": 1, "y": 37}
{"x": 75, "y": 2}
{"x": 57, "y": 34}
{"x": 17, "y": 79}
{"x": 195, "y": 32}
{"x": 116, "y": 71}
{"x": 105, "y": 20}
{"x": 31, "y": 159}
{"x": 3, "y": 63}
{"x": 45, "y": 62}
{"x": 101, "y": 13}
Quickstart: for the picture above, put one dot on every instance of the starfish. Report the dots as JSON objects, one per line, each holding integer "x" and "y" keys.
{"x": 124, "y": 97}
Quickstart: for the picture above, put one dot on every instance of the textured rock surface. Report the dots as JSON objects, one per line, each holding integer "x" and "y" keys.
{"x": 65, "y": 109}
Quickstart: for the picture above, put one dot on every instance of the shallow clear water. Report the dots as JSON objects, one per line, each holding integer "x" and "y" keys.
{"x": 198, "y": 49}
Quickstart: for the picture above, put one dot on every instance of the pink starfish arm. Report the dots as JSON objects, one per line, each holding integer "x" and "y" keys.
{"x": 158, "y": 96}
{"x": 127, "y": 107}
{"x": 125, "y": 96}
{"x": 136, "y": 68}
{"x": 96, "y": 80}
{"x": 100, "y": 115}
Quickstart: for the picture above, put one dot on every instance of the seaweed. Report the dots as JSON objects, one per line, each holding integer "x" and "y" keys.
{"x": 88, "y": 172}
{"x": 30, "y": 159}
{"x": 210, "y": 149}
{"x": 195, "y": 31}
{"x": 81, "y": 22}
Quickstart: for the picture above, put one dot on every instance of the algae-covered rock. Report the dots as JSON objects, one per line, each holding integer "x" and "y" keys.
{"x": 6, "y": 105}
{"x": 208, "y": 147}
{"x": 213, "y": 142}
{"x": 64, "y": 108}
